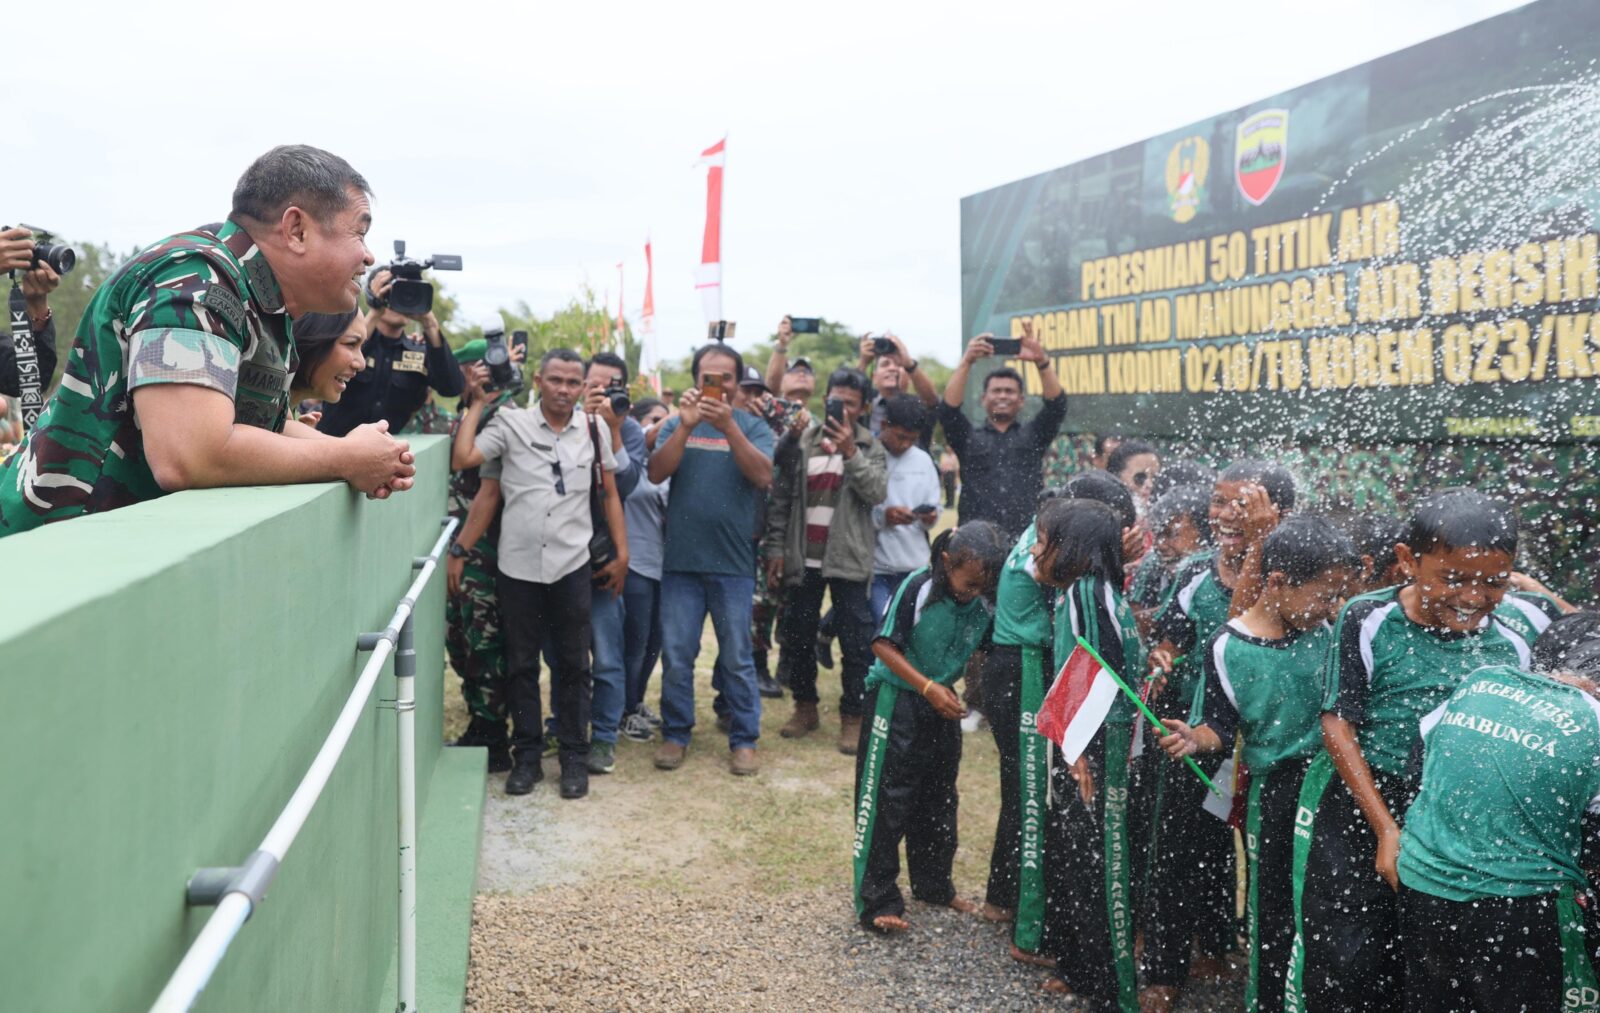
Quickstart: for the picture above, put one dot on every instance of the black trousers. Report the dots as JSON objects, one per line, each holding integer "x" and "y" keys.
{"x": 1002, "y": 705}
{"x": 1350, "y": 917}
{"x": 1495, "y": 955}
{"x": 1269, "y": 843}
{"x": 1188, "y": 897}
{"x": 1088, "y": 912}
{"x": 556, "y": 615}
{"x": 915, "y": 802}
{"x": 801, "y": 616}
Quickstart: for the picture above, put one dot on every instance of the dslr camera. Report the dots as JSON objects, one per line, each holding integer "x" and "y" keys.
{"x": 617, "y": 391}
{"x": 409, "y": 294}
{"x": 61, "y": 257}
{"x": 503, "y": 373}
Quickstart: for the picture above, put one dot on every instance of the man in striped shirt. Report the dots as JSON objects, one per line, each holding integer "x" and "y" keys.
{"x": 820, "y": 537}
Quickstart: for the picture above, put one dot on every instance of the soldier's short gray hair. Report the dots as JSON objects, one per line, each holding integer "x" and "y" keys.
{"x": 296, "y": 174}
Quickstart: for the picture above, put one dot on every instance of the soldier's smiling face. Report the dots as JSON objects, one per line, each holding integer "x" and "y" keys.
{"x": 336, "y": 257}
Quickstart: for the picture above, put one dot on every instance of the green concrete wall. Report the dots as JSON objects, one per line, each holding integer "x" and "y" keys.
{"x": 167, "y": 672}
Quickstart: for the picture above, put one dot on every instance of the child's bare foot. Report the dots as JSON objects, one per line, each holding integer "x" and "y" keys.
{"x": 996, "y": 913}
{"x": 1157, "y": 999}
{"x": 1022, "y": 956}
{"x": 962, "y": 904}
{"x": 889, "y": 924}
{"x": 1055, "y": 986}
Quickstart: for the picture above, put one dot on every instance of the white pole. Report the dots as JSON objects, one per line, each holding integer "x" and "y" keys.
{"x": 405, "y": 705}
{"x": 194, "y": 973}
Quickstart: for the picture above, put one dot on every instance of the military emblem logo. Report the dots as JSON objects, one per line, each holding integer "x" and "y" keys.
{"x": 1188, "y": 165}
{"x": 1261, "y": 148}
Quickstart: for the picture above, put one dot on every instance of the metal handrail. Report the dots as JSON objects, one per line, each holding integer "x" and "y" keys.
{"x": 237, "y": 891}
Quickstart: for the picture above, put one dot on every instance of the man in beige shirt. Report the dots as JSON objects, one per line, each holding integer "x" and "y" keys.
{"x": 547, "y": 459}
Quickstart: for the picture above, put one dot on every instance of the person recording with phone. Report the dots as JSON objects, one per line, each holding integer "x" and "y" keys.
{"x": 820, "y": 538}
{"x": 400, "y": 369}
{"x": 720, "y": 463}
{"x": 892, "y": 368}
{"x": 37, "y": 281}
{"x": 1002, "y": 461}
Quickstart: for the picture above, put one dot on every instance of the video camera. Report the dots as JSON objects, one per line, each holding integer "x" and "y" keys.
{"x": 61, "y": 257}
{"x": 408, "y": 293}
{"x": 503, "y": 373}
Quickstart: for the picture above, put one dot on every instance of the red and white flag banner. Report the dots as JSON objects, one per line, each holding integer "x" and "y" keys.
{"x": 709, "y": 278}
{"x": 647, "y": 323}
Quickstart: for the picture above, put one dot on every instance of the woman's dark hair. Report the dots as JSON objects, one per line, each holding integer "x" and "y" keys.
{"x": 1183, "y": 471}
{"x": 1086, "y": 536}
{"x": 1305, "y": 546}
{"x": 1274, "y": 478}
{"x": 714, "y": 348}
{"x": 1191, "y": 501}
{"x": 1376, "y": 535}
{"x": 644, "y": 406}
{"x": 1570, "y": 644}
{"x": 1462, "y": 518}
{"x": 977, "y": 541}
{"x": 1104, "y": 487}
{"x": 315, "y": 334}
{"x": 1125, "y": 450}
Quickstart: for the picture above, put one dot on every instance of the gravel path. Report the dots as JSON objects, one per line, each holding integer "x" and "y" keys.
{"x": 696, "y": 890}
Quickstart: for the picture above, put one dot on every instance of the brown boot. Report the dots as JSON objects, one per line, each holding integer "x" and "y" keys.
{"x": 670, "y": 756}
{"x": 802, "y": 722}
{"x": 743, "y": 762}
{"x": 849, "y": 733}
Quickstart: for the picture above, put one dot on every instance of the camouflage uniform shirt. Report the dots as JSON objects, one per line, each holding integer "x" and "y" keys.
{"x": 201, "y": 308}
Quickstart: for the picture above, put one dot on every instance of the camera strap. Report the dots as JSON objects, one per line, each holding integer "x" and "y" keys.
{"x": 30, "y": 385}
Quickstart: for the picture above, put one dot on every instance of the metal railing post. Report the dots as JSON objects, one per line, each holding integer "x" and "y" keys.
{"x": 405, "y": 706}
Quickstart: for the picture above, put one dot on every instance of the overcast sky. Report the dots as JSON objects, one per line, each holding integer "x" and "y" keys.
{"x": 543, "y": 143}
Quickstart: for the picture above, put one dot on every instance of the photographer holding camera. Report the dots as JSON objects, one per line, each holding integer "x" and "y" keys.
{"x": 892, "y": 368}
{"x": 18, "y": 253}
{"x": 606, "y": 398}
{"x": 179, "y": 375}
{"x": 400, "y": 369}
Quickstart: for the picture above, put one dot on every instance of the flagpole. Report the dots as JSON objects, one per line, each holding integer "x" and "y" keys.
{"x": 1149, "y": 715}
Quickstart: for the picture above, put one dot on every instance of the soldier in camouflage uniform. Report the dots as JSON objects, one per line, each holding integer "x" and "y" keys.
{"x": 432, "y": 419}
{"x": 199, "y": 313}
{"x": 473, "y": 637}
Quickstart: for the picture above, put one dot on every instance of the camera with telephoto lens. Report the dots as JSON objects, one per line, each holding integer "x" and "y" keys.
{"x": 61, "y": 257}
{"x": 503, "y": 373}
{"x": 408, "y": 293}
{"x": 617, "y": 391}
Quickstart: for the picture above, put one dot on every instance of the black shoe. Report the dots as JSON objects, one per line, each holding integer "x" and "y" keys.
{"x": 524, "y": 776}
{"x": 574, "y": 780}
{"x": 499, "y": 759}
{"x": 824, "y": 651}
{"x": 767, "y": 687}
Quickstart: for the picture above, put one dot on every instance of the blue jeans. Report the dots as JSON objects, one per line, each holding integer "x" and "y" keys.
{"x": 610, "y": 674}
{"x": 686, "y": 599}
{"x": 884, "y": 585}
{"x": 641, "y": 635}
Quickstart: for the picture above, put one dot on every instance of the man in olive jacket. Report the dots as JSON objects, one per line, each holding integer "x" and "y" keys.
{"x": 820, "y": 537}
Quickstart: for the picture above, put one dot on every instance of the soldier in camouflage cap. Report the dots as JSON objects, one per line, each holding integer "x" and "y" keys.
{"x": 179, "y": 375}
{"x": 472, "y": 610}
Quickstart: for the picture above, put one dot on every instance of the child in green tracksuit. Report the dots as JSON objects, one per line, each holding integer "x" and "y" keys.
{"x": 1264, "y": 682}
{"x": 1489, "y": 857}
{"x": 1397, "y": 654}
{"x": 910, "y": 746}
{"x": 1189, "y": 891}
{"x": 1089, "y": 907}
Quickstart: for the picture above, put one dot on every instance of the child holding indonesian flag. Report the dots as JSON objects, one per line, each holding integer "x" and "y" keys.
{"x": 1263, "y": 674}
{"x": 1089, "y": 909}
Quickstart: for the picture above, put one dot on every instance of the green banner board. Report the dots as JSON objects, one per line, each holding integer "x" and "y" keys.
{"x": 1403, "y": 251}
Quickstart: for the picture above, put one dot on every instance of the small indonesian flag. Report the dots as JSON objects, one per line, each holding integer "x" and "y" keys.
{"x": 1077, "y": 704}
